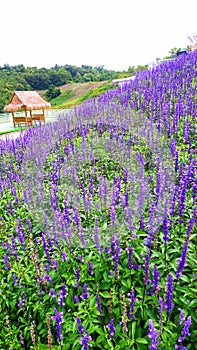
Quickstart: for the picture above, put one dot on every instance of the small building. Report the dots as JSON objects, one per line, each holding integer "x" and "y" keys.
{"x": 31, "y": 103}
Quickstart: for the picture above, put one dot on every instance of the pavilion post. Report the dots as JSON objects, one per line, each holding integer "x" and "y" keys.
{"x": 26, "y": 120}
{"x": 13, "y": 119}
{"x": 44, "y": 116}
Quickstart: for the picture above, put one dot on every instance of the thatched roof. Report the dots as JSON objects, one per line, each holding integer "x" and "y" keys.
{"x": 28, "y": 100}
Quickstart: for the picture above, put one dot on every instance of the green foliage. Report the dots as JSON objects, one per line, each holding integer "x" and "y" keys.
{"x": 33, "y": 78}
{"x": 38, "y": 304}
{"x": 62, "y": 98}
{"x": 92, "y": 93}
{"x": 36, "y": 266}
{"x": 52, "y": 92}
{"x": 9, "y": 82}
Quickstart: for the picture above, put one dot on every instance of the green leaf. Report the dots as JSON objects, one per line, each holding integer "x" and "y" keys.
{"x": 106, "y": 276}
{"x": 194, "y": 316}
{"x": 92, "y": 303}
{"x": 105, "y": 294}
{"x": 141, "y": 341}
{"x": 105, "y": 285}
{"x": 70, "y": 301}
{"x": 23, "y": 320}
{"x": 97, "y": 273}
{"x": 117, "y": 312}
{"x": 193, "y": 303}
{"x": 128, "y": 282}
{"x": 100, "y": 338}
{"x": 133, "y": 329}
{"x": 118, "y": 330}
{"x": 123, "y": 344}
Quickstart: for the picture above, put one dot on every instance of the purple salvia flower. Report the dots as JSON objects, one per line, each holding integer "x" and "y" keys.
{"x": 169, "y": 295}
{"x": 21, "y": 303}
{"x": 80, "y": 327}
{"x": 28, "y": 224}
{"x": 21, "y": 233}
{"x": 77, "y": 275}
{"x": 182, "y": 260}
{"x": 54, "y": 264}
{"x": 182, "y": 316}
{"x": 40, "y": 293}
{"x": 84, "y": 340}
{"x": 165, "y": 230}
{"x": 161, "y": 306}
{"x": 62, "y": 295}
{"x": 96, "y": 236}
{"x": 80, "y": 257}
{"x": 58, "y": 317}
{"x": 176, "y": 161}
{"x": 47, "y": 267}
{"x": 6, "y": 261}
{"x": 22, "y": 340}
{"x": 8, "y": 248}
{"x": 156, "y": 278}
{"x": 153, "y": 334}
{"x": 85, "y": 295}
{"x": 111, "y": 328}
{"x": 130, "y": 264}
{"x": 180, "y": 347}
{"x": 75, "y": 216}
{"x": 64, "y": 257}
{"x": 76, "y": 299}
{"x": 81, "y": 236}
{"x": 98, "y": 301}
{"x": 85, "y": 336}
{"x": 14, "y": 279}
{"x": 185, "y": 332}
{"x": 14, "y": 247}
{"x": 158, "y": 185}
{"x": 48, "y": 278}
{"x": 90, "y": 266}
{"x": 191, "y": 223}
{"x": 173, "y": 146}
{"x": 52, "y": 293}
{"x": 66, "y": 214}
{"x": 46, "y": 250}
{"x": 126, "y": 199}
{"x": 131, "y": 303}
{"x": 113, "y": 214}
{"x": 185, "y": 329}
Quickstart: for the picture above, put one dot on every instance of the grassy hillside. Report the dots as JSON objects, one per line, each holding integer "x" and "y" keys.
{"x": 76, "y": 93}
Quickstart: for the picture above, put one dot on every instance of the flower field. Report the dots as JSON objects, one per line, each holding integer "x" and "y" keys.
{"x": 98, "y": 221}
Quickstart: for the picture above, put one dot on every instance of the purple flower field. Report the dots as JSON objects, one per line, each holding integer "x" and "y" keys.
{"x": 98, "y": 221}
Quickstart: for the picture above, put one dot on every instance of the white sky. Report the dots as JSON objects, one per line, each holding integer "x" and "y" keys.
{"x": 113, "y": 33}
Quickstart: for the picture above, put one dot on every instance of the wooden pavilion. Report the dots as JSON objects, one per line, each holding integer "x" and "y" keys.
{"x": 31, "y": 103}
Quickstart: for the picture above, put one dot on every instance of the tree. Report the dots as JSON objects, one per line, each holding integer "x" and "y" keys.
{"x": 52, "y": 92}
{"x": 60, "y": 77}
{"x": 132, "y": 70}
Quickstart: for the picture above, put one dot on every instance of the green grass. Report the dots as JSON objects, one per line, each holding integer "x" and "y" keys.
{"x": 65, "y": 96}
{"x": 9, "y": 131}
{"x": 90, "y": 94}
{"x": 15, "y": 130}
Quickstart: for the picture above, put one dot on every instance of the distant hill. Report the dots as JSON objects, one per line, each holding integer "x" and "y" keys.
{"x": 75, "y": 93}
{"x": 32, "y": 78}
{"x": 61, "y": 83}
